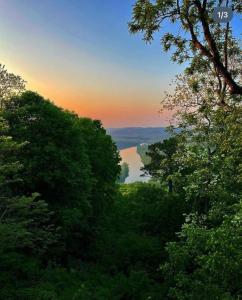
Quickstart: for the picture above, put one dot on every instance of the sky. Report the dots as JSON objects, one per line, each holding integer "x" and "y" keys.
{"x": 80, "y": 55}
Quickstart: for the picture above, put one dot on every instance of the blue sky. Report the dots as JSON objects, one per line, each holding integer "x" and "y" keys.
{"x": 80, "y": 54}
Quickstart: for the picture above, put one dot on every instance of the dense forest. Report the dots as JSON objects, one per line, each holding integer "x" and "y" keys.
{"x": 69, "y": 230}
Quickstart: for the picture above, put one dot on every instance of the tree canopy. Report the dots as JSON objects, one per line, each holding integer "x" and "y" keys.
{"x": 201, "y": 40}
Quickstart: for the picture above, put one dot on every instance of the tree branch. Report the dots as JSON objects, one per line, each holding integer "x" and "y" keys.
{"x": 214, "y": 54}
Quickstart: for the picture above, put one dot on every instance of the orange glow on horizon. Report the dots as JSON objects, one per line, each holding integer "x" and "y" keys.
{"x": 114, "y": 107}
{"x": 112, "y": 112}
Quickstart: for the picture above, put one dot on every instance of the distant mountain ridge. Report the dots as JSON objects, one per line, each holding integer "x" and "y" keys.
{"x": 133, "y": 136}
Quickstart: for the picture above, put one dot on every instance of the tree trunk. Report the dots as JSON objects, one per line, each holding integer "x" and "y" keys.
{"x": 170, "y": 186}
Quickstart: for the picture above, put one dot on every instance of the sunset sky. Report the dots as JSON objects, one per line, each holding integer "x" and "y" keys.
{"x": 79, "y": 54}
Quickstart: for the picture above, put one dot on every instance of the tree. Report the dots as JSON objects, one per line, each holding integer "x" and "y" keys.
{"x": 203, "y": 42}
{"x": 142, "y": 151}
{"x": 134, "y": 231}
{"x": 124, "y": 173}
{"x": 26, "y": 229}
{"x": 55, "y": 162}
{"x": 205, "y": 263}
{"x": 9, "y": 166}
{"x": 162, "y": 164}
{"x": 70, "y": 161}
{"x": 209, "y": 146}
{"x": 208, "y": 160}
{"x": 55, "y": 159}
{"x": 10, "y": 85}
{"x": 209, "y": 124}
{"x": 104, "y": 162}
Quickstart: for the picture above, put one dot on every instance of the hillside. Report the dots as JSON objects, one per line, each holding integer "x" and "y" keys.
{"x": 133, "y": 136}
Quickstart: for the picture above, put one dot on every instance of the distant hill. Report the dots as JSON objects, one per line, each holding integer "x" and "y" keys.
{"x": 134, "y": 136}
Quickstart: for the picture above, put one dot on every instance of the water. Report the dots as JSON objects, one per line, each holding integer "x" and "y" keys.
{"x": 132, "y": 158}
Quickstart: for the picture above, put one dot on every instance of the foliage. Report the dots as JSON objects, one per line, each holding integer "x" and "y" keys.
{"x": 26, "y": 231}
{"x": 55, "y": 162}
{"x": 10, "y": 85}
{"x": 104, "y": 162}
{"x": 206, "y": 262}
{"x": 134, "y": 234}
{"x": 202, "y": 41}
{"x": 60, "y": 162}
{"x": 124, "y": 173}
{"x": 162, "y": 164}
{"x": 95, "y": 239}
{"x": 142, "y": 150}
{"x": 205, "y": 163}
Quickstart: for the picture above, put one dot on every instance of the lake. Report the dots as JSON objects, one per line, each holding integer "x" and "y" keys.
{"x": 132, "y": 158}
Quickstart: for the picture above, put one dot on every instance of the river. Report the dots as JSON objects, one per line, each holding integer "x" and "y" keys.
{"x": 132, "y": 158}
